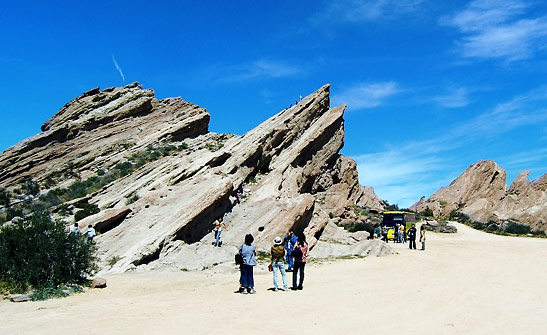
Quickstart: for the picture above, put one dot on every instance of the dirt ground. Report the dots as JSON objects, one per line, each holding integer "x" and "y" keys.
{"x": 465, "y": 283}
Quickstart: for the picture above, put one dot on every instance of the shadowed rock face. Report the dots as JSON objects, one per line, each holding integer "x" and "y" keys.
{"x": 180, "y": 195}
{"x": 481, "y": 193}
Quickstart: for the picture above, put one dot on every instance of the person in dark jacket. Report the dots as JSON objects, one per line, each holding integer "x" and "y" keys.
{"x": 412, "y": 237}
{"x": 300, "y": 254}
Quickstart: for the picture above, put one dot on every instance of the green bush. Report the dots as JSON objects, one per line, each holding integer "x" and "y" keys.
{"x": 264, "y": 164}
{"x": 360, "y": 226}
{"x": 5, "y": 197}
{"x": 427, "y": 212}
{"x": 30, "y": 187}
{"x": 87, "y": 210}
{"x": 39, "y": 253}
{"x": 517, "y": 228}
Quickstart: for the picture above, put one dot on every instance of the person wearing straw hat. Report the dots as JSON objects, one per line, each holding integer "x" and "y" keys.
{"x": 278, "y": 252}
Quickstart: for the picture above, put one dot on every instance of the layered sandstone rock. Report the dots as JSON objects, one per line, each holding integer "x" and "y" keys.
{"x": 288, "y": 168}
{"x": 481, "y": 192}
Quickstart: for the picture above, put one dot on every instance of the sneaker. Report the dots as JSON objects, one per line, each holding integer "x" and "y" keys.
{"x": 252, "y": 291}
{"x": 275, "y": 289}
{"x": 244, "y": 292}
{"x": 300, "y": 288}
{"x": 284, "y": 289}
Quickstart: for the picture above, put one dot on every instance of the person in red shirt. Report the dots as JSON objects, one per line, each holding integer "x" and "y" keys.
{"x": 300, "y": 254}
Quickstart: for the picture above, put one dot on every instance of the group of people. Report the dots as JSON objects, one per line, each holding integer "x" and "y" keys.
{"x": 90, "y": 233}
{"x": 400, "y": 235}
{"x": 294, "y": 251}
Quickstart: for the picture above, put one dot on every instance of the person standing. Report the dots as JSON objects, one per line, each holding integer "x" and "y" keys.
{"x": 412, "y": 237}
{"x": 278, "y": 252}
{"x": 384, "y": 234}
{"x": 422, "y": 236}
{"x": 290, "y": 241}
{"x": 219, "y": 224}
{"x": 90, "y": 233}
{"x": 248, "y": 254}
{"x": 402, "y": 234}
{"x": 300, "y": 254}
{"x": 74, "y": 229}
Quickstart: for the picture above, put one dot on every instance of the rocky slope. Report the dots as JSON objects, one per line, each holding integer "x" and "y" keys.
{"x": 161, "y": 213}
{"x": 481, "y": 193}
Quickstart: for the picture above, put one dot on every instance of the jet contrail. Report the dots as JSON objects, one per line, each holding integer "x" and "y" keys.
{"x": 118, "y": 67}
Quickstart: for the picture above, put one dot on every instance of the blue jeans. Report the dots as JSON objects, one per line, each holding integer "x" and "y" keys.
{"x": 281, "y": 267}
{"x": 290, "y": 260}
{"x": 247, "y": 279}
{"x": 217, "y": 237}
{"x": 423, "y": 245}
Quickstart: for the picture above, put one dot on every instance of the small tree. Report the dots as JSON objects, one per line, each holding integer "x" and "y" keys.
{"x": 427, "y": 212}
{"x": 38, "y": 252}
{"x": 264, "y": 164}
{"x": 5, "y": 197}
{"x": 30, "y": 187}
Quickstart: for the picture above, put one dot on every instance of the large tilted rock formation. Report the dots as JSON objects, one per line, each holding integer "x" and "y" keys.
{"x": 481, "y": 192}
{"x": 309, "y": 184}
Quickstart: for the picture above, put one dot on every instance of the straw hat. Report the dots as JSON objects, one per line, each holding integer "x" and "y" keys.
{"x": 277, "y": 240}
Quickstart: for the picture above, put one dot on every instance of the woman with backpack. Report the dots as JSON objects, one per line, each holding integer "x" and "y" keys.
{"x": 278, "y": 252}
{"x": 248, "y": 256}
{"x": 300, "y": 254}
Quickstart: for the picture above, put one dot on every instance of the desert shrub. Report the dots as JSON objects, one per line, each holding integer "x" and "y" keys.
{"x": 492, "y": 227}
{"x": 5, "y": 197}
{"x": 87, "y": 210}
{"x": 360, "y": 226}
{"x": 540, "y": 233}
{"x": 132, "y": 199}
{"x": 264, "y": 164}
{"x": 517, "y": 228}
{"x": 64, "y": 210}
{"x": 29, "y": 187}
{"x": 389, "y": 207}
{"x": 70, "y": 171}
{"x": 13, "y": 212}
{"x": 39, "y": 253}
{"x": 427, "y": 212}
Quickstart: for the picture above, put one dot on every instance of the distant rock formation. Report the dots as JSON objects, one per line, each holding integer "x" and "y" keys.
{"x": 481, "y": 193}
{"x": 288, "y": 169}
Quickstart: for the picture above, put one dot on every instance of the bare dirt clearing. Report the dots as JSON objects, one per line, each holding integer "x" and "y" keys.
{"x": 470, "y": 282}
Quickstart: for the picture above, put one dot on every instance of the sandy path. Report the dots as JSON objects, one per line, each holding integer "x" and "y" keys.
{"x": 465, "y": 283}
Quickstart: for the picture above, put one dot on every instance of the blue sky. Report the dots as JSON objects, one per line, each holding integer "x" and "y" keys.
{"x": 431, "y": 86}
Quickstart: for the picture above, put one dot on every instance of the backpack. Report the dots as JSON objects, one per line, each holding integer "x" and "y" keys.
{"x": 297, "y": 254}
{"x": 239, "y": 257}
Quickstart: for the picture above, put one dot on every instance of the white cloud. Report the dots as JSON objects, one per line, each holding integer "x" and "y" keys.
{"x": 365, "y": 10}
{"x": 365, "y": 96}
{"x": 524, "y": 110}
{"x": 118, "y": 68}
{"x": 455, "y": 98}
{"x": 495, "y": 29}
{"x": 402, "y": 175}
{"x": 261, "y": 68}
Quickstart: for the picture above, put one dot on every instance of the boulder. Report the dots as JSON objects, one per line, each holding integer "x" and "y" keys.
{"x": 98, "y": 282}
{"x": 18, "y": 298}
